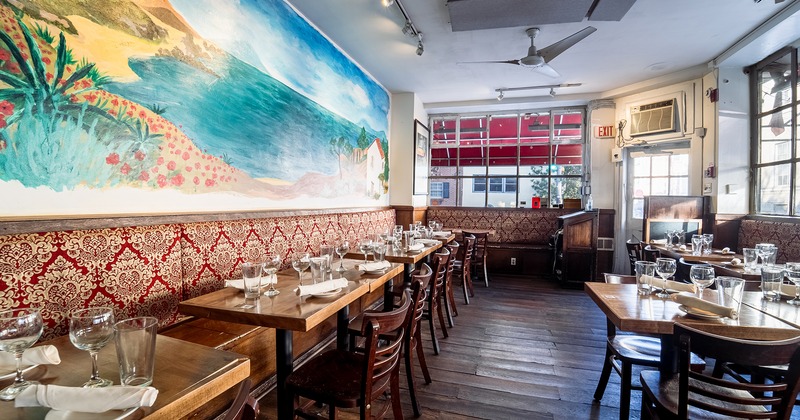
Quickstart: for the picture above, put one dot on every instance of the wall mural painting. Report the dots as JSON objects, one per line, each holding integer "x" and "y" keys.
{"x": 163, "y": 106}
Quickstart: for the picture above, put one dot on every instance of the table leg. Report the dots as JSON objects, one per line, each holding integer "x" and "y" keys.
{"x": 388, "y": 295}
{"x": 284, "y": 360}
{"x": 342, "y": 322}
{"x": 669, "y": 357}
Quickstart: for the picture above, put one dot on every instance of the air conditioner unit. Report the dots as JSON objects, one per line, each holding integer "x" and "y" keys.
{"x": 654, "y": 118}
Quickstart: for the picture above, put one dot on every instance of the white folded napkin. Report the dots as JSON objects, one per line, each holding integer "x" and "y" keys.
{"x": 374, "y": 266}
{"x": 659, "y": 283}
{"x": 416, "y": 247}
{"x": 429, "y": 242}
{"x": 682, "y": 247}
{"x": 788, "y": 289}
{"x": 736, "y": 261}
{"x": 444, "y": 233}
{"x": 726, "y": 250}
{"x": 86, "y": 400}
{"x": 704, "y": 305}
{"x": 39, "y": 355}
{"x": 325, "y": 286}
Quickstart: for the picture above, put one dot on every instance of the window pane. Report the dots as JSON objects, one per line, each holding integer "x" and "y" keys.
{"x": 443, "y": 132}
{"x": 638, "y": 208}
{"x": 535, "y": 128}
{"x": 511, "y": 184}
{"x": 568, "y": 127}
{"x": 774, "y": 84}
{"x": 679, "y": 186}
{"x": 448, "y": 187}
{"x": 771, "y": 198}
{"x": 534, "y": 187}
{"x": 659, "y": 186}
{"x": 660, "y": 165}
{"x": 679, "y": 165}
{"x": 775, "y": 136}
{"x": 495, "y": 184}
{"x": 473, "y": 131}
{"x": 503, "y": 129}
{"x": 641, "y": 166}
{"x": 641, "y": 187}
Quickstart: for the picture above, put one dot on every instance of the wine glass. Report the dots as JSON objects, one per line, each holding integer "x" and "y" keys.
{"x": 327, "y": 252}
{"x": 792, "y": 270}
{"x": 665, "y": 268}
{"x": 300, "y": 262}
{"x": 271, "y": 265}
{"x": 669, "y": 234}
{"x": 702, "y": 276}
{"x": 19, "y": 329}
{"x": 708, "y": 240}
{"x": 91, "y": 329}
{"x": 398, "y": 230}
{"x": 341, "y": 250}
{"x": 365, "y": 246}
{"x": 765, "y": 251}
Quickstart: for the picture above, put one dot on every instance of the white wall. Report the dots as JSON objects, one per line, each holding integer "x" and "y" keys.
{"x": 405, "y": 108}
{"x": 733, "y": 194}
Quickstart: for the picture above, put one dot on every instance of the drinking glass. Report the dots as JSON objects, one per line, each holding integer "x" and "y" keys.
{"x": 378, "y": 251}
{"x": 702, "y": 276}
{"x": 697, "y": 244}
{"x": 680, "y": 237}
{"x": 19, "y": 329}
{"x": 750, "y": 259}
{"x": 765, "y": 251}
{"x": 792, "y": 271}
{"x": 300, "y": 263}
{"x": 771, "y": 280}
{"x": 665, "y": 267}
{"x": 341, "y": 250}
{"x": 398, "y": 230}
{"x": 708, "y": 239}
{"x": 669, "y": 235}
{"x": 91, "y": 329}
{"x": 327, "y": 251}
{"x": 644, "y": 271}
{"x": 432, "y": 224}
{"x": 271, "y": 265}
{"x": 365, "y": 246}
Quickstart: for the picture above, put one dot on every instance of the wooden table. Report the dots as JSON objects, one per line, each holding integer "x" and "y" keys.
{"x": 187, "y": 375}
{"x": 629, "y": 311}
{"x": 287, "y": 312}
{"x": 720, "y": 261}
{"x": 410, "y": 261}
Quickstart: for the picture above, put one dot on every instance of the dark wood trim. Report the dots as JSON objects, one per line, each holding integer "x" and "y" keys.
{"x": 103, "y": 222}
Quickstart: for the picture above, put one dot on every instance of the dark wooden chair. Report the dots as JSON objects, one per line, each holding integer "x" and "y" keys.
{"x": 462, "y": 267}
{"x": 433, "y": 306}
{"x": 683, "y": 269}
{"x": 244, "y": 407}
{"x": 623, "y": 351}
{"x": 688, "y": 394}
{"x": 634, "y": 252}
{"x": 479, "y": 254}
{"x": 350, "y": 379}
{"x": 450, "y": 299}
{"x": 650, "y": 254}
{"x": 412, "y": 340}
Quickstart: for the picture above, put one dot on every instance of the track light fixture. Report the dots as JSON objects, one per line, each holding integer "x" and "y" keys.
{"x": 501, "y": 91}
{"x": 387, "y": 3}
{"x": 420, "y": 47}
{"x": 500, "y": 96}
{"x": 552, "y": 93}
{"x": 408, "y": 28}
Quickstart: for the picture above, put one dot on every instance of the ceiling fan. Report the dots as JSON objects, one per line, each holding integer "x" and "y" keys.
{"x": 538, "y": 59}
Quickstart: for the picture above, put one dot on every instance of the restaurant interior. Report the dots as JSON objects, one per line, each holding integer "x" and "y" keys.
{"x": 276, "y": 209}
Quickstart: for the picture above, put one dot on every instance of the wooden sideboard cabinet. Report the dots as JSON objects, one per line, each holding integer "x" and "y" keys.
{"x": 576, "y": 248}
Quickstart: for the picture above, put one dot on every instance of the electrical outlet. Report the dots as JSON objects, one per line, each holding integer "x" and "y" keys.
{"x": 513, "y": 261}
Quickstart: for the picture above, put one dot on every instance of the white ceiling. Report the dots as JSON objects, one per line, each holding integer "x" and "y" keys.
{"x": 657, "y": 41}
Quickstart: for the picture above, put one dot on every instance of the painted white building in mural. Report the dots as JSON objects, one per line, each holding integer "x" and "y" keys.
{"x": 375, "y": 164}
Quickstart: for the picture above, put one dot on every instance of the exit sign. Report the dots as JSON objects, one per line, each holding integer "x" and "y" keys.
{"x": 604, "y": 131}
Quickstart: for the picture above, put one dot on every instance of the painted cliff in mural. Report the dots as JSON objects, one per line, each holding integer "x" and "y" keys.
{"x": 149, "y": 106}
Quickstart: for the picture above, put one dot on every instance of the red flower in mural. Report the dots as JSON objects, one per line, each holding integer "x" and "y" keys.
{"x": 210, "y": 182}
{"x": 177, "y": 180}
{"x": 6, "y": 108}
{"x": 112, "y": 159}
{"x": 185, "y": 156}
{"x": 4, "y": 55}
{"x": 188, "y": 169}
{"x": 144, "y": 176}
{"x": 142, "y": 114}
{"x": 3, "y": 122}
{"x": 172, "y": 165}
{"x": 125, "y": 169}
{"x": 115, "y": 102}
{"x": 112, "y": 112}
{"x": 160, "y": 161}
{"x": 46, "y": 60}
{"x": 139, "y": 155}
{"x": 161, "y": 181}
{"x": 91, "y": 97}
{"x": 196, "y": 181}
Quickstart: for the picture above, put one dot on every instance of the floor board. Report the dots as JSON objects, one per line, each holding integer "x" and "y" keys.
{"x": 523, "y": 349}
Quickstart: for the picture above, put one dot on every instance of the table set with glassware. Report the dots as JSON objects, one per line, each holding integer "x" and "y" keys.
{"x": 293, "y": 301}
{"x": 50, "y": 380}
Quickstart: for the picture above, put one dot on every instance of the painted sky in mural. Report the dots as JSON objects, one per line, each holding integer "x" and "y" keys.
{"x": 244, "y": 98}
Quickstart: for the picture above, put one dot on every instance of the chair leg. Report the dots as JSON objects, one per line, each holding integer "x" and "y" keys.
{"x": 469, "y": 284}
{"x": 440, "y": 312}
{"x": 625, "y": 392}
{"x": 485, "y": 273}
{"x": 432, "y": 325}
{"x": 466, "y": 289}
{"x": 394, "y": 388}
{"x": 421, "y": 357}
{"x": 604, "y": 376}
{"x": 451, "y": 297}
{"x": 412, "y": 390}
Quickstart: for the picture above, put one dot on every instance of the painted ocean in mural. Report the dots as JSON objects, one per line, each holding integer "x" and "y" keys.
{"x": 195, "y": 101}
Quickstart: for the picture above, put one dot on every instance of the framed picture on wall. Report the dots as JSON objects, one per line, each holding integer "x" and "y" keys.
{"x": 422, "y": 136}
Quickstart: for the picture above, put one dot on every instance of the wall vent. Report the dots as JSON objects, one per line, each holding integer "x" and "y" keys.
{"x": 605, "y": 244}
{"x": 653, "y": 118}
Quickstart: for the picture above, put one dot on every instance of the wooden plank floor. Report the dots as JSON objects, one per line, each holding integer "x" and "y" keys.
{"x": 523, "y": 349}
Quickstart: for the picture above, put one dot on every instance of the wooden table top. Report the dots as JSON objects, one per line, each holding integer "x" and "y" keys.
{"x": 652, "y": 315}
{"x": 187, "y": 375}
{"x": 400, "y": 256}
{"x": 786, "y": 312}
{"x": 715, "y": 256}
{"x": 286, "y": 310}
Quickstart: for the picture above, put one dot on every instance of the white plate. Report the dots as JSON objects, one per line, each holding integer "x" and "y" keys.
{"x": 13, "y": 373}
{"x": 698, "y": 313}
{"x": 77, "y": 415}
{"x": 375, "y": 272}
{"x": 327, "y": 294}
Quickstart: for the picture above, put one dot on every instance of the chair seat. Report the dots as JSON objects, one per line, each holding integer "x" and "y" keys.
{"x": 645, "y": 350}
{"x": 333, "y": 377}
{"x": 665, "y": 394}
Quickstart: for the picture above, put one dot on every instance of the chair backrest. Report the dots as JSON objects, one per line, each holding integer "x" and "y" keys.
{"x": 419, "y": 280}
{"x": 440, "y": 275}
{"x": 244, "y": 407}
{"x": 778, "y": 397}
{"x": 683, "y": 269}
{"x": 469, "y": 251}
{"x": 619, "y": 278}
{"x": 634, "y": 252}
{"x": 451, "y": 262}
{"x": 650, "y": 254}
{"x": 382, "y": 357}
{"x": 481, "y": 239}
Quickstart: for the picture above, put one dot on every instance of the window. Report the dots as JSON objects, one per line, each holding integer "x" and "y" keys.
{"x": 439, "y": 190}
{"x": 775, "y": 135}
{"x": 658, "y": 174}
{"x": 506, "y": 160}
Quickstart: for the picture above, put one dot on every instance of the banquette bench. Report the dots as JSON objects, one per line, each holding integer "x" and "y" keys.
{"x": 745, "y": 231}
{"x": 148, "y": 269}
{"x": 522, "y": 234}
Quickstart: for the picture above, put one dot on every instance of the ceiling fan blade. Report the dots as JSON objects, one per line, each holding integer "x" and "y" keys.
{"x": 552, "y": 51}
{"x": 546, "y": 70}
{"x": 516, "y": 62}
